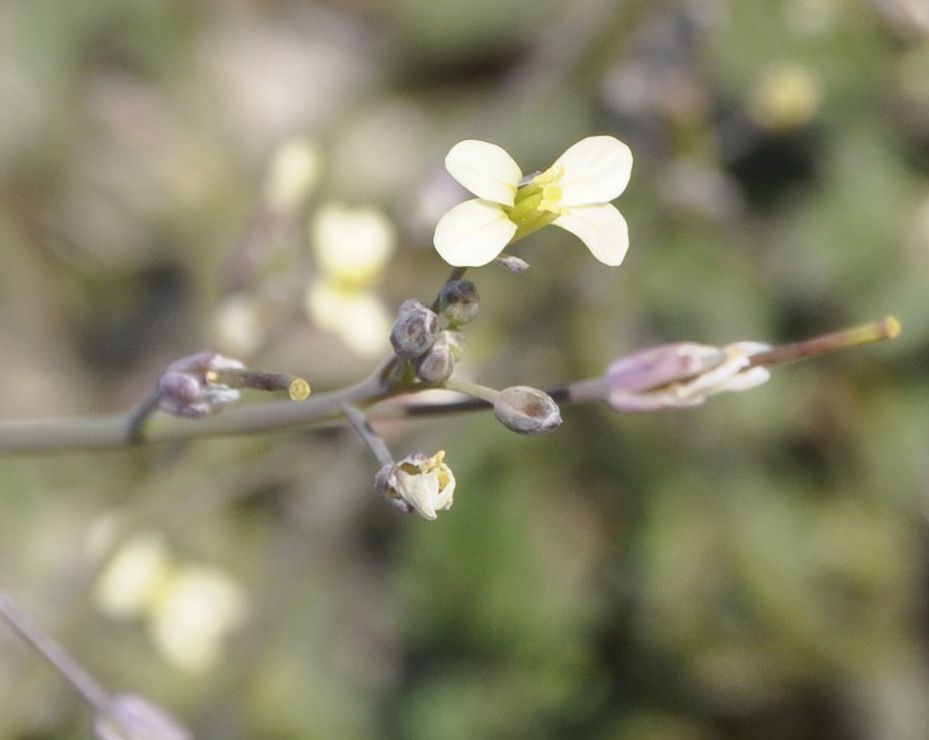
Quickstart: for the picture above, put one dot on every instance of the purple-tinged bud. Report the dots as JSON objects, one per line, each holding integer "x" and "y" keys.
{"x": 131, "y": 717}
{"x": 458, "y": 302}
{"x": 526, "y": 410}
{"x": 415, "y": 329}
{"x": 662, "y": 365}
{"x": 681, "y": 375}
{"x": 188, "y": 386}
{"x": 438, "y": 364}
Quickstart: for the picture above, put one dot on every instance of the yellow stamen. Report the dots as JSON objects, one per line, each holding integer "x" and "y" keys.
{"x": 551, "y": 175}
{"x": 434, "y": 462}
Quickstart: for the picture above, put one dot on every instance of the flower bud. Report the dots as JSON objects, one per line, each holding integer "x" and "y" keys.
{"x": 131, "y": 717}
{"x": 438, "y": 364}
{"x": 188, "y": 388}
{"x": 526, "y": 410}
{"x": 418, "y": 483}
{"x": 459, "y": 302}
{"x": 513, "y": 264}
{"x": 659, "y": 366}
{"x": 415, "y": 329}
{"x": 681, "y": 375}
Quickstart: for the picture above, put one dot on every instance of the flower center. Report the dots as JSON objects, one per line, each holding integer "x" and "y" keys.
{"x": 537, "y": 203}
{"x": 435, "y": 464}
{"x": 551, "y": 190}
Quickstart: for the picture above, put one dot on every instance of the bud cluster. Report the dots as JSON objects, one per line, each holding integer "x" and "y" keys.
{"x": 430, "y": 340}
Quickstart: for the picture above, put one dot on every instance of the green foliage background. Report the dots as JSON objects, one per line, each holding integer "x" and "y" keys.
{"x": 754, "y": 568}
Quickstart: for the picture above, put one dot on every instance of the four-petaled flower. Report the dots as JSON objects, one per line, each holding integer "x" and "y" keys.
{"x": 574, "y": 194}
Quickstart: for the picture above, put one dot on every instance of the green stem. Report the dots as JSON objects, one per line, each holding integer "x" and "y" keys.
{"x": 472, "y": 389}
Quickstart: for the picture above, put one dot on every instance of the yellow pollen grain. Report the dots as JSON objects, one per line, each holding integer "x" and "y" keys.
{"x": 211, "y": 376}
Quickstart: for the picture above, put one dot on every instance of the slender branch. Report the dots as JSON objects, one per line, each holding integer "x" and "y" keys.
{"x": 139, "y": 415}
{"x": 593, "y": 389}
{"x": 370, "y": 437}
{"x": 326, "y": 409}
{"x": 55, "y": 654}
{"x": 482, "y": 392}
{"x": 875, "y": 331}
{"x": 110, "y": 432}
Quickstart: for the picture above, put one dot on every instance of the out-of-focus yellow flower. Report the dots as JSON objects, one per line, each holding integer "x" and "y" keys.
{"x": 189, "y": 608}
{"x": 573, "y": 194}
{"x": 358, "y": 317}
{"x": 786, "y": 97}
{"x": 238, "y": 325}
{"x": 135, "y": 573}
{"x": 192, "y": 613}
{"x": 352, "y": 247}
{"x": 292, "y": 175}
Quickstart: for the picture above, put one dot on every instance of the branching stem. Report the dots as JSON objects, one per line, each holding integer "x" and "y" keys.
{"x": 327, "y": 409}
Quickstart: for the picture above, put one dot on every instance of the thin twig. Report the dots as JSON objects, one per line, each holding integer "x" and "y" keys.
{"x": 370, "y": 437}
{"x": 55, "y": 654}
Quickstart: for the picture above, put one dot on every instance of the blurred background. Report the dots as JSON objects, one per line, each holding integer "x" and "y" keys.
{"x": 262, "y": 177}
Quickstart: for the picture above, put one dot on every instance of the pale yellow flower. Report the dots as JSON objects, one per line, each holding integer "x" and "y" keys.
{"x": 352, "y": 245}
{"x": 189, "y": 608}
{"x": 352, "y": 248}
{"x": 293, "y": 172}
{"x": 358, "y": 317}
{"x": 195, "y": 609}
{"x": 573, "y": 194}
{"x": 423, "y": 484}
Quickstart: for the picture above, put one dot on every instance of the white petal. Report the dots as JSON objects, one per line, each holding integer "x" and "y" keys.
{"x": 485, "y": 169}
{"x": 420, "y": 491}
{"x": 602, "y": 228}
{"x": 745, "y": 380}
{"x": 596, "y": 170}
{"x": 473, "y": 233}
